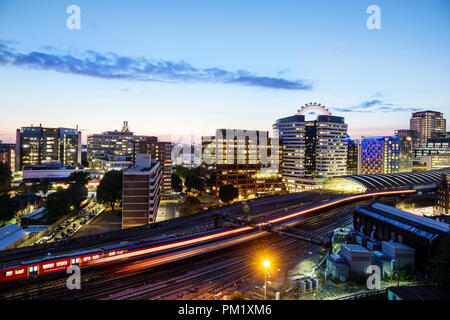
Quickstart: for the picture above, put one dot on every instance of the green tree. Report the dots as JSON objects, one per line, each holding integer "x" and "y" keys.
{"x": 440, "y": 264}
{"x": 79, "y": 177}
{"x": 190, "y": 206}
{"x": 5, "y": 178}
{"x": 228, "y": 193}
{"x": 177, "y": 183}
{"x": 77, "y": 194}
{"x": 8, "y": 208}
{"x": 182, "y": 172}
{"x": 45, "y": 185}
{"x": 58, "y": 203}
{"x": 194, "y": 182}
{"x": 109, "y": 190}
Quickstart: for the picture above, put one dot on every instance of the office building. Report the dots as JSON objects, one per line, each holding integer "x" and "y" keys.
{"x": 120, "y": 143}
{"x": 8, "y": 154}
{"x": 51, "y": 171}
{"x": 428, "y": 124}
{"x": 353, "y": 156}
{"x": 443, "y": 195}
{"x": 380, "y": 155}
{"x": 37, "y": 145}
{"x": 291, "y": 134}
{"x": 312, "y": 151}
{"x": 141, "y": 192}
{"x": 439, "y": 146}
{"x": 247, "y": 159}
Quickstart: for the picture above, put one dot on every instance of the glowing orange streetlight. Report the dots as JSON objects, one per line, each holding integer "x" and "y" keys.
{"x": 266, "y": 264}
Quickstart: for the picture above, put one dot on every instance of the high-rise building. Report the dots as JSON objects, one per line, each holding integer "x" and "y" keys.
{"x": 37, "y": 145}
{"x": 405, "y": 154}
{"x": 160, "y": 151}
{"x": 119, "y": 143}
{"x": 141, "y": 192}
{"x": 247, "y": 159}
{"x": 291, "y": 134}
{"x": 380, "y": 155}
{"x": 413, "y": 134}
{"x": 329, "y": 147}
{"x": 428, "y": 124}
{"x": 8, "y": 154}
{"x": 312, "y": 151}
{"x": 353, "y": 156}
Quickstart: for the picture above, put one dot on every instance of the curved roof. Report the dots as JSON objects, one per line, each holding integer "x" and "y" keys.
{"x": 394, "y": 181}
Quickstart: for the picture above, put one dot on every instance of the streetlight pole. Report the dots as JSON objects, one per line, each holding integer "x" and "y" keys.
{"x": 265, "y": 283}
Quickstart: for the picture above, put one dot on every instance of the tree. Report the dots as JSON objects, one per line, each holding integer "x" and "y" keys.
{"x": 58, "y": 203}
{"x": 44, "y": 185}
{"x": 79, "y": 177}
{"x": 109, "y": 190}
{"x": 440, "y": 264}
{"x": 177, "y": 183}
{"x": 5, "y": 178}
{"x": 194, "y": 182}
{"x": 182, "y": 172}
{"x": 8, "y": 208}
{"x": 77, "y": 194}
{"x": 190, "y": 206}
{"x": 228, "y": 193}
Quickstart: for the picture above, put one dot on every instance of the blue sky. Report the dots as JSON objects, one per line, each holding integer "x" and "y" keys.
{"x": 174, "y": 67}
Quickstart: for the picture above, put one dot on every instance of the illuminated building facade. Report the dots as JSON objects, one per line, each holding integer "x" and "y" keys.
{"x": 8, "y": 154}
{"x": 160, "y": 151}
{"x": 326, "y": 147}
{"x": 141, "y": 192}
{"x": 37, "y": 145}
{"x": 380, "y": 155}
{"x": 428, "y": 124}
{"x": 443, "y": 195}
{"x": 353, "y": 156}
{"x": 291, "y": 132}
{"x": 246, "y": 159}
{"x": 120, "y": 143}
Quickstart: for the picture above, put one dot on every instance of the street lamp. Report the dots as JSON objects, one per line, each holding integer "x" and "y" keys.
{"x": 266, "y": 265}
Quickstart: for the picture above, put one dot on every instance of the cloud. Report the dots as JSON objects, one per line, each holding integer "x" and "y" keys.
{"x": 113, "y": 66}
{"x": 376, "y": 105}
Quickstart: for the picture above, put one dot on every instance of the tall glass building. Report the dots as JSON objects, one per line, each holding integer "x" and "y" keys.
{"x": 37, "y": 145}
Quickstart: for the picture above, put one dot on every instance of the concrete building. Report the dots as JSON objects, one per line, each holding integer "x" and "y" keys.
{"x": 428, "y": 124}
{"x": 141, "y": 192}
{"x": 337, "y": 267}
{"x": 357, "y": 258}
{"x": 160, "y": 151}
{"x": 435, "y": 161}
{"x": 38, "y": 145}
{"x": 247, "y": 159}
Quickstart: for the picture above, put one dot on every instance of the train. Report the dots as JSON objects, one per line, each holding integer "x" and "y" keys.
{"x": 160, "y": 246}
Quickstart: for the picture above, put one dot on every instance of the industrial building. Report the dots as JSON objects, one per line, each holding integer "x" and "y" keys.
{"x": 380, "y": 223}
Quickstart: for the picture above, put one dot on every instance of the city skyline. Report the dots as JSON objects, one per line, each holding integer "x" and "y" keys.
{"x": 196, "y": 73}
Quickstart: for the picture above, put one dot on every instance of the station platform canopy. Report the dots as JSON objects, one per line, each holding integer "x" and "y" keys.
{"x": 373, "y": 182}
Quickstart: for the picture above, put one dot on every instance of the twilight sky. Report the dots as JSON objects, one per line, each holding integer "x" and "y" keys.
{"x": 172, "y": 68}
